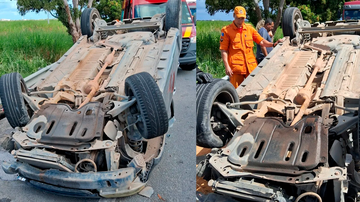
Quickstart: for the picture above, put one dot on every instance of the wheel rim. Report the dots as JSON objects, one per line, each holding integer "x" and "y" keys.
{"x": 24, "y": 90}
{"x": 217, "y": 117}
{"x": 135, "y": 111}
{"x": 92, "y": 20}
{"x": 140, "y": 124}
{"x": 296, "y": 18}
{"x": 23, "y": 87}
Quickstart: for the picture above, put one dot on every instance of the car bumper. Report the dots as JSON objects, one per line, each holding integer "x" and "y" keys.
{"x": 119, "y": 183}
{"x": 188, "y": 57}
{"x": 108, "y": 184}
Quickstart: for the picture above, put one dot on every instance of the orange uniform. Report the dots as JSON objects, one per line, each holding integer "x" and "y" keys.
{"x": 239, "y": 44}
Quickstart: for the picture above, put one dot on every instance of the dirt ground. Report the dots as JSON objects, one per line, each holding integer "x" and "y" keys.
{"x": 201, "y": 184}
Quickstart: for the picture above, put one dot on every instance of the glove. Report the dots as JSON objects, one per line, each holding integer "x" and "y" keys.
{"x": 202, "y": 77}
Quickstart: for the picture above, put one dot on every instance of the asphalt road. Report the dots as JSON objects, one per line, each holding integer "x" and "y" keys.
{"x": 173, "y": 178}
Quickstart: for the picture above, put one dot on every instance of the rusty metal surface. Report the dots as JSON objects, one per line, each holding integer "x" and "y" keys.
{"x": 290, "y": 177}
{"x": 267, "y": 144}
{"x": 254, "y": 84}
{"x": 65, "y": 126}
{"x": 76, "y": 132}
{"x": 345, "y": 72}
{"x": 252, "y": 187}
{"x": 303, "y": 97}
{"x": 340, "y": 27}
{"x": 289, "y": 67}
{"x": 124, "y": 69}
{"x": 295, "y": 73}
{"x": 38, "y": 77}
{"x": 43, "y": 159}
{"x": 27, "y": 143}
{"x": 66, "y": 65}
{"x": 141, "y": 52}
{"x": 140, "y": 25}
{"x": 120, "y": 178}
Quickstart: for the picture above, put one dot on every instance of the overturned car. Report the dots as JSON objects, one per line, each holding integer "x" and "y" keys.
{"x": 93, "y": 124}
{"x": 290, "y": 131}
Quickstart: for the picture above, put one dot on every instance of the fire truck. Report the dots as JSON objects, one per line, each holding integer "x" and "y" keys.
{"x": 351, "y": 10}
{"x": 140, "y": 9}
{"x": 192, "y": 6}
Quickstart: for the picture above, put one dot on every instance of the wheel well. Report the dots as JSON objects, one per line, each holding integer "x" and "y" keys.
{"x": 224, "y": 97}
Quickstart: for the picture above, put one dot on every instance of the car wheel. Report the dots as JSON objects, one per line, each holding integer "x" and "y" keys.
{"x": 291, "y": 15}
{"x": 150, "y": 105}
{"x": 173, "y": 17}
{"x": 88, "y": 17}
{"x": 213, "y": 128}
{"x": 11, "y": 88}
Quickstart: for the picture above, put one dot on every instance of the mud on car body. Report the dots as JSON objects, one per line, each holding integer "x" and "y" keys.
{"x": 94, "y": 123}
{"x": 290, "y": 131}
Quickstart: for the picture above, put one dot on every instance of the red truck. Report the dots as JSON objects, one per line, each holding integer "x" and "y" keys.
{"x": 133, "y": 9}
{"x": 351, "y": 10}
{"x": 192, "y": 6}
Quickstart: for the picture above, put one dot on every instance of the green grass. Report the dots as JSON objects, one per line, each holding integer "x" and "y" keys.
{"x": 207, "y": 46}
{"x": 26, "y": 46}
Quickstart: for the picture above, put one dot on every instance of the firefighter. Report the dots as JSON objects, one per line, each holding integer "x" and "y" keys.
{"x": 236, "y": 46}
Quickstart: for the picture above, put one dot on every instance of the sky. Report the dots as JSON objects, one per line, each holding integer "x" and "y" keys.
{"x": 8, "y": 10}
{"x": 202, "y": 14}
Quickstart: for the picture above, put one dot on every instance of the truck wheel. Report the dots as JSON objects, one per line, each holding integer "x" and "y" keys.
{"x": 173, "y": 15}
{"x": 11, "y": 88}
{"x": 210, "y": 130}
{"x": 150, "y": 105}
{"x": 291, "y": 15}
{"x": 88, "y": 17}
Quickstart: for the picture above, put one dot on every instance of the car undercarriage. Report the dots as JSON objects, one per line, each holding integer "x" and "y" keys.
{"x": 294, "y": 133}
{"x": 94, "y": 123}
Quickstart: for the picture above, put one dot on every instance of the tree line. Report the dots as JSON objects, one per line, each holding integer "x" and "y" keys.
{"x": 311, "y": 10}
{"x": 69, "y": 14}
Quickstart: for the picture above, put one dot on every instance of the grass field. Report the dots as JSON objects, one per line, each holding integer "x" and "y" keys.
{"x": 26, "y": 46}
{"x": 207, "y": 46}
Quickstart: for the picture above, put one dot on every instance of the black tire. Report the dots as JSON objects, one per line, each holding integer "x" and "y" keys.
{"x": 188, "y": 67}
{"x": 291, "y": 15}
{"x": 87, "y": 21}
{"x": 173, "y": 15}
{"x": 149, "y": 104}
{"x": 206, "y": 94}
{"x": 11, "y": 88}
